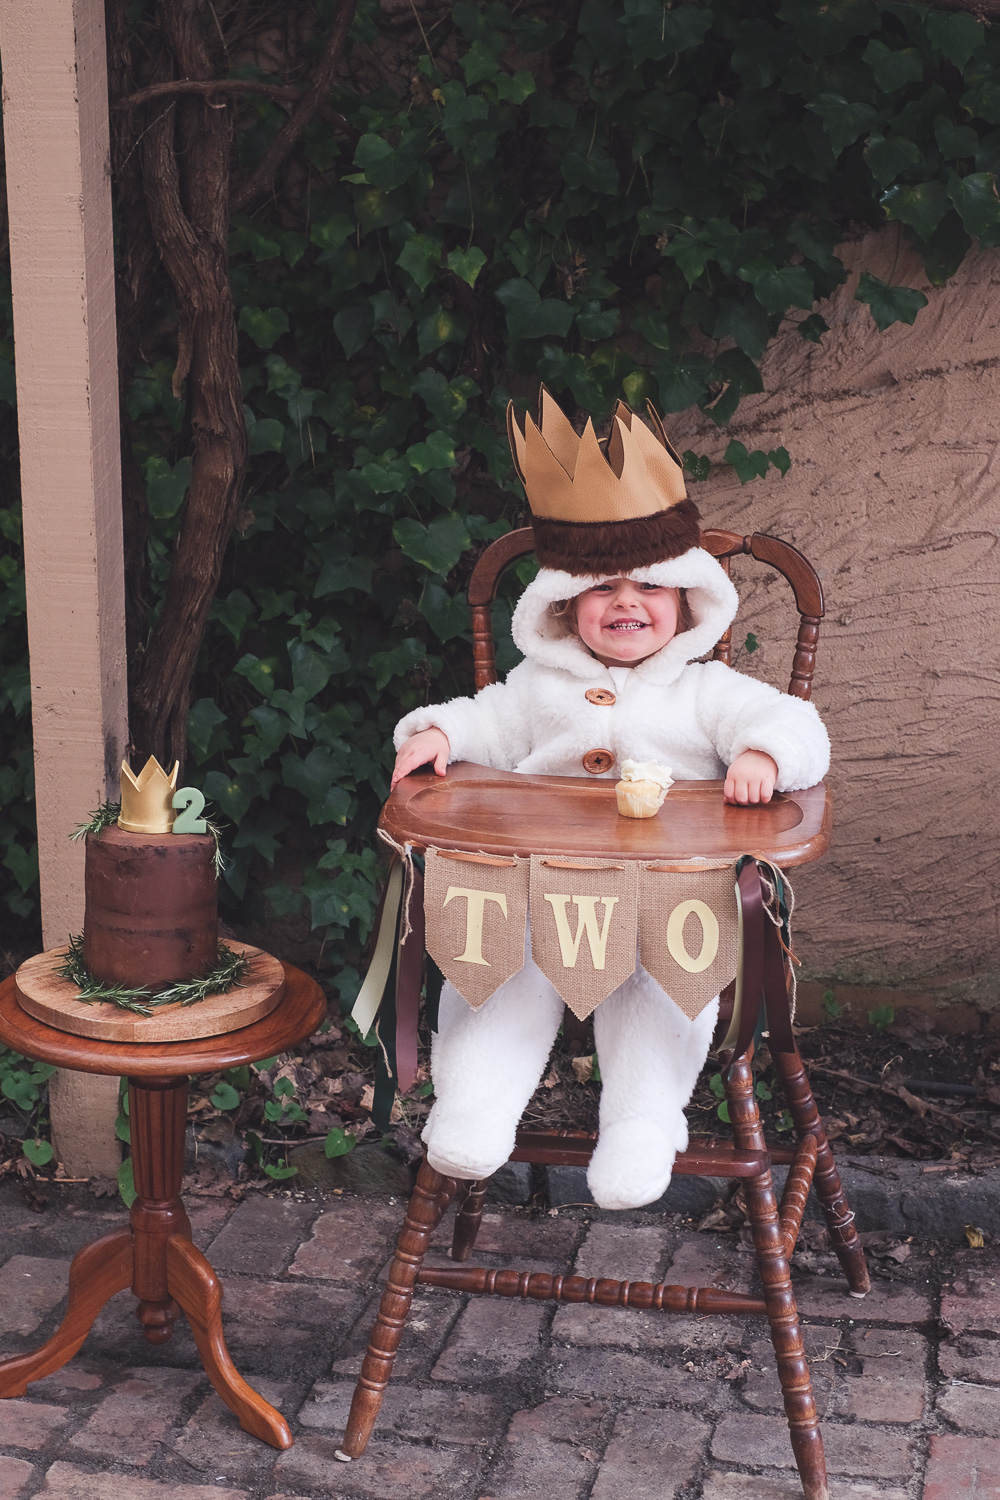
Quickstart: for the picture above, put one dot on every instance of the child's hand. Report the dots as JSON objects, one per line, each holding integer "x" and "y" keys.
{"x": 751, "y": 778}
{"x": 429, "y": 745}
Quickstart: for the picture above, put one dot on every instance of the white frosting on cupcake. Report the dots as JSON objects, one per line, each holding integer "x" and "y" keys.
{"x": 647, "y": 770}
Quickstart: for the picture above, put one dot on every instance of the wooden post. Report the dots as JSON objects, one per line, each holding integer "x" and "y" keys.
{"x": 55, "y": 116}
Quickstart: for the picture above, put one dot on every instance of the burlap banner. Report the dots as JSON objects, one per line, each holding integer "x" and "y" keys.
{"x": 689, "y": 932}
{"x": 476, "y": 909}
{"x": 583, "y": 926}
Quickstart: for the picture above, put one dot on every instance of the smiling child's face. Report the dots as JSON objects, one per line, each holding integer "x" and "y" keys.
{"x": 623, "y": 622}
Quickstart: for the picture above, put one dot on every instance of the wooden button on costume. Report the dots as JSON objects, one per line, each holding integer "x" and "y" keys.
{"x": 600, "y": 511}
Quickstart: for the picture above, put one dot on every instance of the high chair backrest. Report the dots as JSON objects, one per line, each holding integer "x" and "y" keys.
{"x": 723, "y": 545}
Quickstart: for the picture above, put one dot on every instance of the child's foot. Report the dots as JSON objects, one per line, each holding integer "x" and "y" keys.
{"x": 467, "y": 1146}
{"x": 633, "y": 1161}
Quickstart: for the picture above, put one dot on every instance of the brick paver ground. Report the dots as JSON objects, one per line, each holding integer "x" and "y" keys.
{"x": 498, "y": 1399}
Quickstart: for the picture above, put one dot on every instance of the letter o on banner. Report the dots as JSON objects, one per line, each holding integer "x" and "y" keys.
{"x": 691, "y": 973}
{"x": 709, "y": 936}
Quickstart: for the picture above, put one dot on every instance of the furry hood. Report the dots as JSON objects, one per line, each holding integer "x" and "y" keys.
{"x": 712, "y": 601}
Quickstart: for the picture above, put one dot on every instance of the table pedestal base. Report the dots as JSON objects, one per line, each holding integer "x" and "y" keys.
{"x": 156, "y": 1258}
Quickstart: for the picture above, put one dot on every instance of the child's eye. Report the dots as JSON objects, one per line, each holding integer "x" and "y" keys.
{"x": 600, "y": 588}
{"x": 651, "y": 588}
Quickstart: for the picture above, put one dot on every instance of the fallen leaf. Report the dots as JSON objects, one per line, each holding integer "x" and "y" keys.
{"x": 716, "y": 1218}
{"x": 583, "y": 1069}
{"x": 367, "y": 1101}
{"x": 919, "y": 1106}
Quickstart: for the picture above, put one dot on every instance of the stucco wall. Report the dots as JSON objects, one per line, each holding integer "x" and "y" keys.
{"x": 894, "y": 494}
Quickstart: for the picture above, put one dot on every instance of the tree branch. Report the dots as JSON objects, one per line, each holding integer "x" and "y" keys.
{"x": 261, "y": 179}
{"x": 282, "y": 93}
{"x": 186, "y": 155}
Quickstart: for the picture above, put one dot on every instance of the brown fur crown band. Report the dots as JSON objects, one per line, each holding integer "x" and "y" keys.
{"x": 609, "y": 548}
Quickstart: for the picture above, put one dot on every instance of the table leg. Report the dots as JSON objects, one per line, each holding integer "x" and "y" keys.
{"x": 170, "y": 1276}
{"x": 96, "y": 1274}
{"x": 157, "y": 1120}
{"x": 156, "y": 1257}
{"x": 196, "y": 1287}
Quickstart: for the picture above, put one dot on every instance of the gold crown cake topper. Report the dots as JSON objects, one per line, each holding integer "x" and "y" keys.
{"x": 147, "y": 799}
{"x": 600, "y": 508}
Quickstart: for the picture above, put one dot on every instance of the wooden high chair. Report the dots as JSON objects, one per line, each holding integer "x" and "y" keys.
{"x": 708, "y": 828}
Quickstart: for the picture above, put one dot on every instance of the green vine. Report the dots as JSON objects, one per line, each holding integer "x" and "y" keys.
{"x": 230, "y": 970}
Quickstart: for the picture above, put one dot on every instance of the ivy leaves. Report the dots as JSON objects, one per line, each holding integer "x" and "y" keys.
{"x": 978, "y": 204}
{"x": 889, "y": 304}
{"x": 843, "y": 119}
{"x": 436, "y": 547}
{"x": 644, "y": 30}
{"x": 755, "y": 464}
{"x": 921, "y": 206}
{"x": 531, "y": 316}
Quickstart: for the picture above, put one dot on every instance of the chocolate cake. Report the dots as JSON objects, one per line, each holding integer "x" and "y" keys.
{"x": 151, "y": 914}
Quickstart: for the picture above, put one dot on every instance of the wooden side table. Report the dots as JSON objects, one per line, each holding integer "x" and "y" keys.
{"x": 154, "y": 1255}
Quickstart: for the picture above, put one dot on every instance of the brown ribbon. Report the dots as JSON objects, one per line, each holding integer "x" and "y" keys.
{"x": 763, "y": 975}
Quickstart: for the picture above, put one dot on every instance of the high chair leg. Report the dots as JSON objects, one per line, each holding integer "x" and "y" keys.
{"x": 431, "y": 1197}
{"x": 829, "y": 1189}
{"x": 782, "y": 1314}
{"x": 468, "y": 1220}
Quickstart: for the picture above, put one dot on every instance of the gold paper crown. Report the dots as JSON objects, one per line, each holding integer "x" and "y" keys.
{"x": 147, "y": 798}
{"x": 599, "y": 508}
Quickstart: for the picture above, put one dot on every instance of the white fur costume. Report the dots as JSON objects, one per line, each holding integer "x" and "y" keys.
{"x": 696, "y": 718}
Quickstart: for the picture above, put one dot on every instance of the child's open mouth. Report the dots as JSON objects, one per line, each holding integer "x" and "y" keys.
{"x": 627, "y": 625}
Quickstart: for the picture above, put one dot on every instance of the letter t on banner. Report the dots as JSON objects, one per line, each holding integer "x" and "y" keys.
{"x": 476, "y": 911}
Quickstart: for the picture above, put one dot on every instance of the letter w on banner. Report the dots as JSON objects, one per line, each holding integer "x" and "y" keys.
{"x": 475, "y": 909}
{"x": 689, "y": 931}
{"x": 583, "y": 926}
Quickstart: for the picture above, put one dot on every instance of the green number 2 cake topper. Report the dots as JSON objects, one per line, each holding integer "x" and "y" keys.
{"x": 192, "y": 802}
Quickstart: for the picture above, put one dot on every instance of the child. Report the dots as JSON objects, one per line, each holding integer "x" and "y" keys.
{"x": 624, "y": 602}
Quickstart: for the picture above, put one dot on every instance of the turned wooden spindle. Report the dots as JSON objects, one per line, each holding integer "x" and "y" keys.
{"x": 804, "y": 660}
{"x": 792, "y": 1207}
{"x": 723, "y": 649}
{"x": 482, "y": 592}
{"x": 484, "y": 663}
{"x": 826, "y": 1180}
{"x": 431, "y": 1196}
{"x": 468, "y": 1219}
{"x": 157, "y": 1120}
{"x": 782, "y": 1314}
{"x": 540, "y": 1286}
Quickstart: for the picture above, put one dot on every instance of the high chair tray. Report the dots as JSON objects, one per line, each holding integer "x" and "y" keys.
{"x": 477, "y": 809}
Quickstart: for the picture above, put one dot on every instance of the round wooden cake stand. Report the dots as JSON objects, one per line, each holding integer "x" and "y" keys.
{"x": 155, "y": 1256}
{"x": 47, "y": 996}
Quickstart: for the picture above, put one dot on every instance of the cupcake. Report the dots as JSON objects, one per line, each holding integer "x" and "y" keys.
{"x": 642, "y": 788}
